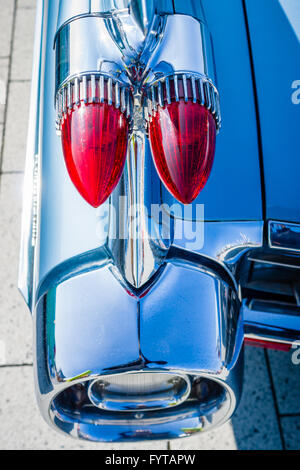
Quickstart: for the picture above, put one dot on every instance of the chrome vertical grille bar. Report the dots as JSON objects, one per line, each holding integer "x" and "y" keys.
{"x": 123, "y": 100}
{"x": 117, "y": 95}
{"x": 70, "y": 98}
{"x": 64, "y": 100}
{"x": 93, "y": 88}
{"x": 207, "y": 95}
{"x": 194, "y": 89}
{"x": 109, "y": 91}
{"x": 185, "y": 90}
{"x": 191, "y": 87}
{"x": 176, "y": 87}
{"x": 84, "y": 89}
{"x": 168, "y": 93}
{"x": 77, "y": 96}
{"x": 160, "y": 95}
{"x": 101, "y": 86}
{"x": 201, "y": 91}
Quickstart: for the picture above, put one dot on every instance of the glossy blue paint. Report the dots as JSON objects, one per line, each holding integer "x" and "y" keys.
{"x": 189, "y": 7}
{"x": 275, "y": 31}
{"x": 165, "y": 6}
{"x": 233, "y": 191}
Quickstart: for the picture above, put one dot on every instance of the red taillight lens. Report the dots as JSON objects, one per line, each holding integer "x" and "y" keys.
{"x": 94, "y": 140}
{"x": 183, "y": 136}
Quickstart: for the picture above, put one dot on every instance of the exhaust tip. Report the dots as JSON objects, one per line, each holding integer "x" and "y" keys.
{"x": 142, "y": 391}
{"x": 143, "y": 405}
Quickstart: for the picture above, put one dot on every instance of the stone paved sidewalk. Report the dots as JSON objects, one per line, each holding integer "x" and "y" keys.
{"x": 269, "y": 414}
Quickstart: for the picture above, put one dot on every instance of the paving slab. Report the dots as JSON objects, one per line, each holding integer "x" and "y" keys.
{"x": 22, "y": 427}
{"x": 220, "y": 439}
{"x": 4, "y": 64}
{"x": 291, "y": 432}
{"x": 286, "y": 377}
{"x": 1, "y": 135}
{"x": 23, "y": 44}
{"x": 255, "y": 418}
{"x": 15, "y": 320}
{"x": 30, "y": 4}
{"x": 16, "y": 127}
{"x": 255, "y": 423}
{"x": 6, "y": 22}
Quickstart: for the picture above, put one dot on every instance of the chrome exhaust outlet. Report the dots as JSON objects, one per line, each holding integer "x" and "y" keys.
{"x": 139, "y": 391}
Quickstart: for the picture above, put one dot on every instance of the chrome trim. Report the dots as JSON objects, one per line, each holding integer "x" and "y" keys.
{"x": 193, "y": 79}
{"x": 117, "y": 95}
{"x": 143, "y": 11}
{"x": 185, "y": 87}
{"x": 101, "y": 85}
{"x": 126, "y": 403}
{"x": 167, "y": 83}
{"x": 201, "y": 92}
{"x": 108, "y": 5}
{"x": 176, "y": 87}
{"x": 284, "y": 260}
{"x": 76, "y": 92}
{"x": 92, "y": 34}
{"x": 158, "y": 93}
{"x": 31, "y": 184}
{"x": 173, "y": 59}
{"x": 184, "y": 45}
{"x": 102, "y": 93}
{"x": 78, "y": 9}
{"x": 207, "y": 96}
{"x": 142, "y": 248}
{"x": 178, "y": 422}
{"x": 68, "y": 10}
{"x": 265, "y": 325}
{"x": 284, "y": 236}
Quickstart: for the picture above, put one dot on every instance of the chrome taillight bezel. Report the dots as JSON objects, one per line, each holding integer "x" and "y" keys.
{"x": 182, "y": 85}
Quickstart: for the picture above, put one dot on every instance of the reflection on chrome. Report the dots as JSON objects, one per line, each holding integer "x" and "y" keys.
{"x": 208, "y": 405}
{"x": 139, "y": 391}
{"x": 284, "y": 236}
